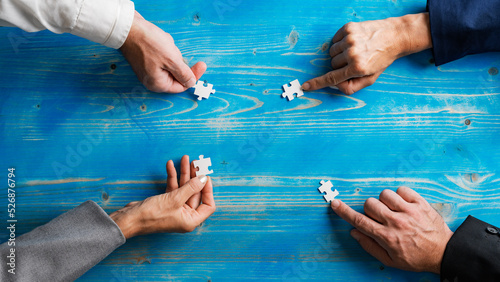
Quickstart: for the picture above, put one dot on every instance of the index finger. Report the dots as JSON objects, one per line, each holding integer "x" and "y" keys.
{"x": 356, "y": 219}
{"x": 185, "y": 170}
{"x": 330, "y": 79}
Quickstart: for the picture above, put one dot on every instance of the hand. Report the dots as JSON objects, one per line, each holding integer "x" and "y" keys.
{"x": 362, "y": 51}
{"x": 188, "y": 171}
{"x": 400, "y": 229}
{"x": 177, "y": 210}
{"x": 156, "y": 60}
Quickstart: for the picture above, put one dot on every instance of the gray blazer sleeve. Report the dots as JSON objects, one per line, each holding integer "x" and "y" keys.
{"x": 65, "y": 248}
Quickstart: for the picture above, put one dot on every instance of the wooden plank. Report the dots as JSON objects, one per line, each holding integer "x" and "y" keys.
{"x": 59, "y": 95}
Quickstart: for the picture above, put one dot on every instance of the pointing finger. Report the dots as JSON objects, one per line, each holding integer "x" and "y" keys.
{"x": 185, "y": 170}
{"x": 356, "y": 219}
{"x": 330, "y": 79}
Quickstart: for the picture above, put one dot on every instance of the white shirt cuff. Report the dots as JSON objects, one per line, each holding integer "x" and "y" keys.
{"x": 106, "y": 22}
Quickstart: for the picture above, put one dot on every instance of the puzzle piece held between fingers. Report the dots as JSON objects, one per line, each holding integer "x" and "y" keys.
{"x": 202, "y": 165}
{"x": 326, "y": 187}
{"x": 203, "y": 91}
{"x": 294, "y": 88}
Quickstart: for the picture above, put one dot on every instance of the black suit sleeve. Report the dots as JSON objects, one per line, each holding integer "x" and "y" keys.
{"x": 473, "y": 253}
{"x": 463, "y": 27}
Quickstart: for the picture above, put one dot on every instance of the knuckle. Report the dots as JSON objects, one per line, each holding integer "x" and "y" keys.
{"x": 192, "y": 187}
{"x": 213, "y": 209}
{"x": 350, "y": 40}
{"x": 352, "y": 53}
{"x": 333, "y": 63}
{"x": 332, "y": 50}
{"x": 359, "y": 220}
{"x": 330, "y": 79}
{"x": 426, "y": 208}
{"x": 155, "y": 85}
{"x": 384, "y": 194}
{"x": 349, "y": 27}
{"x": 176, "y": 198}
{"x": 349, "y": 91}
{"x": 396, "y": 221}
{"x": 169, "y": 62}
{"x": 188, "y": 227}
{"x": 358, "y": 68}
{"x": 191, "y": 228}
{"x": 402, "y": 188}
{"x": 370, "y": 201}
{"x": 379, "y": 233}
{"x": 388, "y": 238}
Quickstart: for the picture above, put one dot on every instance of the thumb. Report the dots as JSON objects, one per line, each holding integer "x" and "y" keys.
{"x": 330, "y": 79}
{"x": 372, "y": 247}
{"x": 182, "y": 73}
{"x": 354, "y": 85}
{"x": 193, "y": 186}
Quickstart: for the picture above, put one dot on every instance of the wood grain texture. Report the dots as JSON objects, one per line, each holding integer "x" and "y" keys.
{"x": 59, "y": 95}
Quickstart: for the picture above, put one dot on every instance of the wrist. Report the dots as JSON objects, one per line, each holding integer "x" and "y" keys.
{"x": 125, "y": 221}
{"x": 436, "y": 268}
{"x": 414, "y": 33}
{"x": 137, "y": 21}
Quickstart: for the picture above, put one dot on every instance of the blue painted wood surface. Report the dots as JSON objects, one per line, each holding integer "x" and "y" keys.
{"x": 59, "y": 95}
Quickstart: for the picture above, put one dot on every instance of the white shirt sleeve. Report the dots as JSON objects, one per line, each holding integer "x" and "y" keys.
{"x": 103, "y": 21}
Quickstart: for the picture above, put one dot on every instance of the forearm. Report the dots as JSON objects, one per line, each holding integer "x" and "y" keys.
{"x": 64, "y": 248}
{"x": 105, "y": 22}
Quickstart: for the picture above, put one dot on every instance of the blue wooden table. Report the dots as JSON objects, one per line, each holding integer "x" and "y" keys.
{"x": 77, "y": 125}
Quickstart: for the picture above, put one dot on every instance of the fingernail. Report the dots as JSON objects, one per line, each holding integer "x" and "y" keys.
{"x": 335, "y": 204}
{"x": 191, "y": 83}
{"x": 306, "y": 86}
{"x": 203, "y": 179}
{"x": 355, "y": 234}
{"x": 334, "y": 87}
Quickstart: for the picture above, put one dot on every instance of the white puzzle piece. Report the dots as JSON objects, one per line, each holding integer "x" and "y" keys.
{"x": 203, "y": 91}
{"x": 202, "y": 165}
{"x": 326, "y": 187}
{"x": 294, "y": 88}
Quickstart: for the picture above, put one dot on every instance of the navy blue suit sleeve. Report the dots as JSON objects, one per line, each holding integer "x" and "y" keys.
{"x": 473, "y": 253}
{"x": 463, "y": 27}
